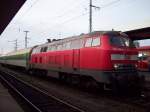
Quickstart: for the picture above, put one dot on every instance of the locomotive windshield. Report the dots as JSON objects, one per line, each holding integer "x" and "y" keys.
{"x": 121, "y": 41}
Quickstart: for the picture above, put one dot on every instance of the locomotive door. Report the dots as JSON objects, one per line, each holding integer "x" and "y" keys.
{"x": 76, "y": 58}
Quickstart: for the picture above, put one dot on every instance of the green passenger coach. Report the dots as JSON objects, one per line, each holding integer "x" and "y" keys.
{"x": 17, "y": 58}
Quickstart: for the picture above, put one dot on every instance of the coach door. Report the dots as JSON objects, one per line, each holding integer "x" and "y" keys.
{"x": 76, "y": 58}
{"x": 76, "y": 45}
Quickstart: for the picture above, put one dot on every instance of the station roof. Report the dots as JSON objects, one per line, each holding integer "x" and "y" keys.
{"x": 139, "y": 34}
{"x": 8, "y": 9}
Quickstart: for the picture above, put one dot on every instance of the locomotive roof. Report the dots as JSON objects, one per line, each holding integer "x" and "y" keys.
{"x": 103, "y": 32}
{"x": 95, "y": 33}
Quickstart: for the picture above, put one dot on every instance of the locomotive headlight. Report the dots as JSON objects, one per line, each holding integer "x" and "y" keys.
{"x": 116, "y": 66}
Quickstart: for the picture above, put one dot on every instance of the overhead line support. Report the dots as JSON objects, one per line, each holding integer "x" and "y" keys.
{"x": 90, "y": 15}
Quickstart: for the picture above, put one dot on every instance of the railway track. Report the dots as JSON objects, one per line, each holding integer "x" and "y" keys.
{"x": 134, "y": 104}
{"x": 38, "y": 100}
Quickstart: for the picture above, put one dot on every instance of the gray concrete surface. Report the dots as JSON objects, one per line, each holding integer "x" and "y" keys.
{"x": 7, "y": 103}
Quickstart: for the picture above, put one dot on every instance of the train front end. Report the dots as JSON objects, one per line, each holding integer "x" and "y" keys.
{"x": 121, "y": 62}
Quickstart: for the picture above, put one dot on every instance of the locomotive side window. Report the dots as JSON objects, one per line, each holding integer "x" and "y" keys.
{"x": 59, "y": 47}
{"x": 68, "y": 45}
{"x": 96, "y": 41}
{"x": 81, "y": 43}
{"x": 64, "y": 46}
{"x": 41, "y": 49}
{"x": 44, "y": 49}
{"x": 49, "y": 48}
{"x": 76, "y": 44}
{"x": 34, "y": 51}
{"x": 88, "y": 42}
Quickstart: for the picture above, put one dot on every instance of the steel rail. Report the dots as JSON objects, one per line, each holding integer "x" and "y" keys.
{"x": 36, "y": 98}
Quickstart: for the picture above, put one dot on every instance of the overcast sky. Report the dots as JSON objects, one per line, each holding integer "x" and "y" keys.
{"x": 62, "y": 18}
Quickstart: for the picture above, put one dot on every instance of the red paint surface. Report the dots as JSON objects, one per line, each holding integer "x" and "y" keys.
{"x": 92, "y": 58}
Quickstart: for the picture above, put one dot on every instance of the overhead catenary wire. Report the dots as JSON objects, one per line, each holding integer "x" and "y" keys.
{"x": 71, "y": 9}
{"x": 59, "y": 16}
{"x": 106, "y": 5}
{"x": 15, "y": 42}
{"x": 83, "y": 14}
{"x": 111, "y": 3}
{"x": 66, "y": 12}
{"x": 27, "y": 11}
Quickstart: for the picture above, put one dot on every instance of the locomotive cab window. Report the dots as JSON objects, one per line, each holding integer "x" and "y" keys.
{"x": 88, "y": 42}
{"x": 120, "y": 41}
{"x": 96, "y": 41}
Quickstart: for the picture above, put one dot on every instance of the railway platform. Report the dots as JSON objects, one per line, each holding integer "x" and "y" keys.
{"x": 7, "y": 102}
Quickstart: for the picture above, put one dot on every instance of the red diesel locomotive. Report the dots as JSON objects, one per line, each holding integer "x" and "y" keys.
{"x": 105, "y": 57}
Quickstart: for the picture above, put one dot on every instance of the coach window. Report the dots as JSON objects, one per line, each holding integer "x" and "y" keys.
{"x": 88, "y": 42}
{"x": 96, "y": 41}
